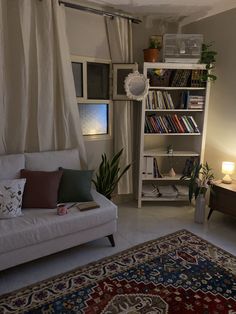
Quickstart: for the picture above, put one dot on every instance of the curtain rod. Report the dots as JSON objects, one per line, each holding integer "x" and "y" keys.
{"x": 99, "y": 12}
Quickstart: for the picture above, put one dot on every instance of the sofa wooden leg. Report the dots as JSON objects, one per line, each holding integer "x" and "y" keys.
{"x": 111, "y": 239}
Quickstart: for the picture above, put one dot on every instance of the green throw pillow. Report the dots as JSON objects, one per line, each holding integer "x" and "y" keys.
{"x": 75, "y": 186}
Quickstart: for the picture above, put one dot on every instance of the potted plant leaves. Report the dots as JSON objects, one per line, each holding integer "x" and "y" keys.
{"x": 109, "y": 174}
{"x": 208, "y": 57}
{"x": 200, "y": 180}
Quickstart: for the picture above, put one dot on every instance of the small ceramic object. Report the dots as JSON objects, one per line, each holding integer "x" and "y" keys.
{"x": 61, "y": 210}
{"x": 172, "y": 173}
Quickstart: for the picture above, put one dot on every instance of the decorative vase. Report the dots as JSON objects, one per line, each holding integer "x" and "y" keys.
{"x": 199, "y": 215}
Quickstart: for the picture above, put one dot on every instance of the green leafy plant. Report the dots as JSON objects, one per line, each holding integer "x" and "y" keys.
{"x": 208, "y": 57}
{"x": 109, "y": 174}
{"x": 154, "y": 44}
{"x": 200, "y": 180}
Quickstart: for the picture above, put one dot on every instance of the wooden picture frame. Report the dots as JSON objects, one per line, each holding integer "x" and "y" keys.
{"x": 120, "y": 72}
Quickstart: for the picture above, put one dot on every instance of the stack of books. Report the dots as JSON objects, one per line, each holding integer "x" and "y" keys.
{"x": 170, "y": 124}
{"x": 159, "y": 100}
{"x": 196, "y": 102}
{"x": 167, "y": 191}
{"x": 171, "y": 192}
{"x": 191, "y": 101}
{"x": 182, "y": 191}
{"x": 150, "y": 190}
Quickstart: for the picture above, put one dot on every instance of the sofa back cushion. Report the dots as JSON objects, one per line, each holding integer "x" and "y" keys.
{"x": 75, "y": 186}
{"x": 52, "y": 160}
{"x": 10, "y": 166}
{"x": 41, "y": 188}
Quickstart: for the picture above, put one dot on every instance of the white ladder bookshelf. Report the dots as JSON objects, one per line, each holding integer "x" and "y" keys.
{"x": 154, "y": 142}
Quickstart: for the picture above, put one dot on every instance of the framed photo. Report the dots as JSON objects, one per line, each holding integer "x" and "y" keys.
{"x": 120, "y": 72}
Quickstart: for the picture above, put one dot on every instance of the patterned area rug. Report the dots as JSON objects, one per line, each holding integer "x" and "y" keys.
{"x": 179, "y": 273}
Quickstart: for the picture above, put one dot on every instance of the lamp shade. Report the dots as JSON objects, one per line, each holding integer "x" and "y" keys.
{"x": 228, "y": 167}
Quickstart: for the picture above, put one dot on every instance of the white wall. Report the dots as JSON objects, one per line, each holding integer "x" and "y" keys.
{"x": 87, "y": 34}
{"x": 221, "y": 124}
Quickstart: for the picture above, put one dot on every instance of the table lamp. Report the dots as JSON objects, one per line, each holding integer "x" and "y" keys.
{"x": 227, "y": 169}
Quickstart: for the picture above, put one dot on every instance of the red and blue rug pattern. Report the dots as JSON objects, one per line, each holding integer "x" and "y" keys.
{"x": 178, "y": 273}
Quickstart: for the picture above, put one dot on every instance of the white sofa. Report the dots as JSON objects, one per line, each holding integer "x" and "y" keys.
{"x": 40, "y": 232}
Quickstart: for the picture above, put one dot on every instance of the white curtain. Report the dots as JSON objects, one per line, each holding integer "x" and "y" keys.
{"x": 119, "y": 32}
{"x": 38, "y": 107}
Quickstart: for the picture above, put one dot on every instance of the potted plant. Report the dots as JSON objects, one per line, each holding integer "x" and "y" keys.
{"x": 152, "y": 53}
{"x": 200, "y": 180}
{"x": 208, "y": 57}
{"x": 109, "y": 174}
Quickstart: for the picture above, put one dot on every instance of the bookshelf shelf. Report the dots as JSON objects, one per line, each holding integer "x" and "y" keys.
{"x": 165, "y": 178}
{"x": 173, "y": 115}
{"x": 174, "y": 110}
{"x": 159, "y": 153}
{"x": 176, "y": 88}
{"x": 164, "y": 199}
{"x": 168, "y": 134}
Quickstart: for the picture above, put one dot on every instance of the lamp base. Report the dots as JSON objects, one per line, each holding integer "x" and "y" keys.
{"x": 227, "y": 179}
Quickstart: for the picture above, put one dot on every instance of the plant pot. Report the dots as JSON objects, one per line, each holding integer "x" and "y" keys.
{"x": 151, "y": 55}
{"x": 200, "y": 205}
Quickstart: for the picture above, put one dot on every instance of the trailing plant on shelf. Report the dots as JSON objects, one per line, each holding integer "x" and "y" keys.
{"x": 109, "y": 174}
{"x": 208, "y": 57}
{"x": 200, "y": 180}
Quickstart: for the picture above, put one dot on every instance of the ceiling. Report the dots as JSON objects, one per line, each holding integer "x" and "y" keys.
{"x": 174, "y": 9}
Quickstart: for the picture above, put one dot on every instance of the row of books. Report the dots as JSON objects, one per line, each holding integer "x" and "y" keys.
{"x": 163, "y": 100}
{"x": 196, "y": 78}
{"x": 159, "y": 100}
{"x": 176, "y": 77}
{"x": 150, "y": 168}
{"x": 180, "y": 78}
{"x": 165, "y": 191}
{"x": 196, "y": 102}
{"x": 170, "y": 124}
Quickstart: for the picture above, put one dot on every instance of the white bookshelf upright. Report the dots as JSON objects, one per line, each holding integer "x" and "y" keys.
{"x": 154, "y": 143}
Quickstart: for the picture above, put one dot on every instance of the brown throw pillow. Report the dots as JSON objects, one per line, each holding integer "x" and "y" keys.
{"x": 41, "y": 188}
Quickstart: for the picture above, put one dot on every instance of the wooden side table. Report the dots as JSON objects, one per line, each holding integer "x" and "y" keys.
{"x": 223, "y": 198}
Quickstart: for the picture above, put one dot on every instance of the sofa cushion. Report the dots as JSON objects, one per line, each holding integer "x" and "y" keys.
{"x": 51, "y": 161}
{"x": 75, "y": 186}
{"x": 10, "y": 166}
{"x": 11, "y": 192}
{"x": 41, "y": 188}
{"x": 44, "y": 224}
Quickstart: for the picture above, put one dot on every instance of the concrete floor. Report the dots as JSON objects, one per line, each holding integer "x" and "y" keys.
{"x": 134, "y": 226}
